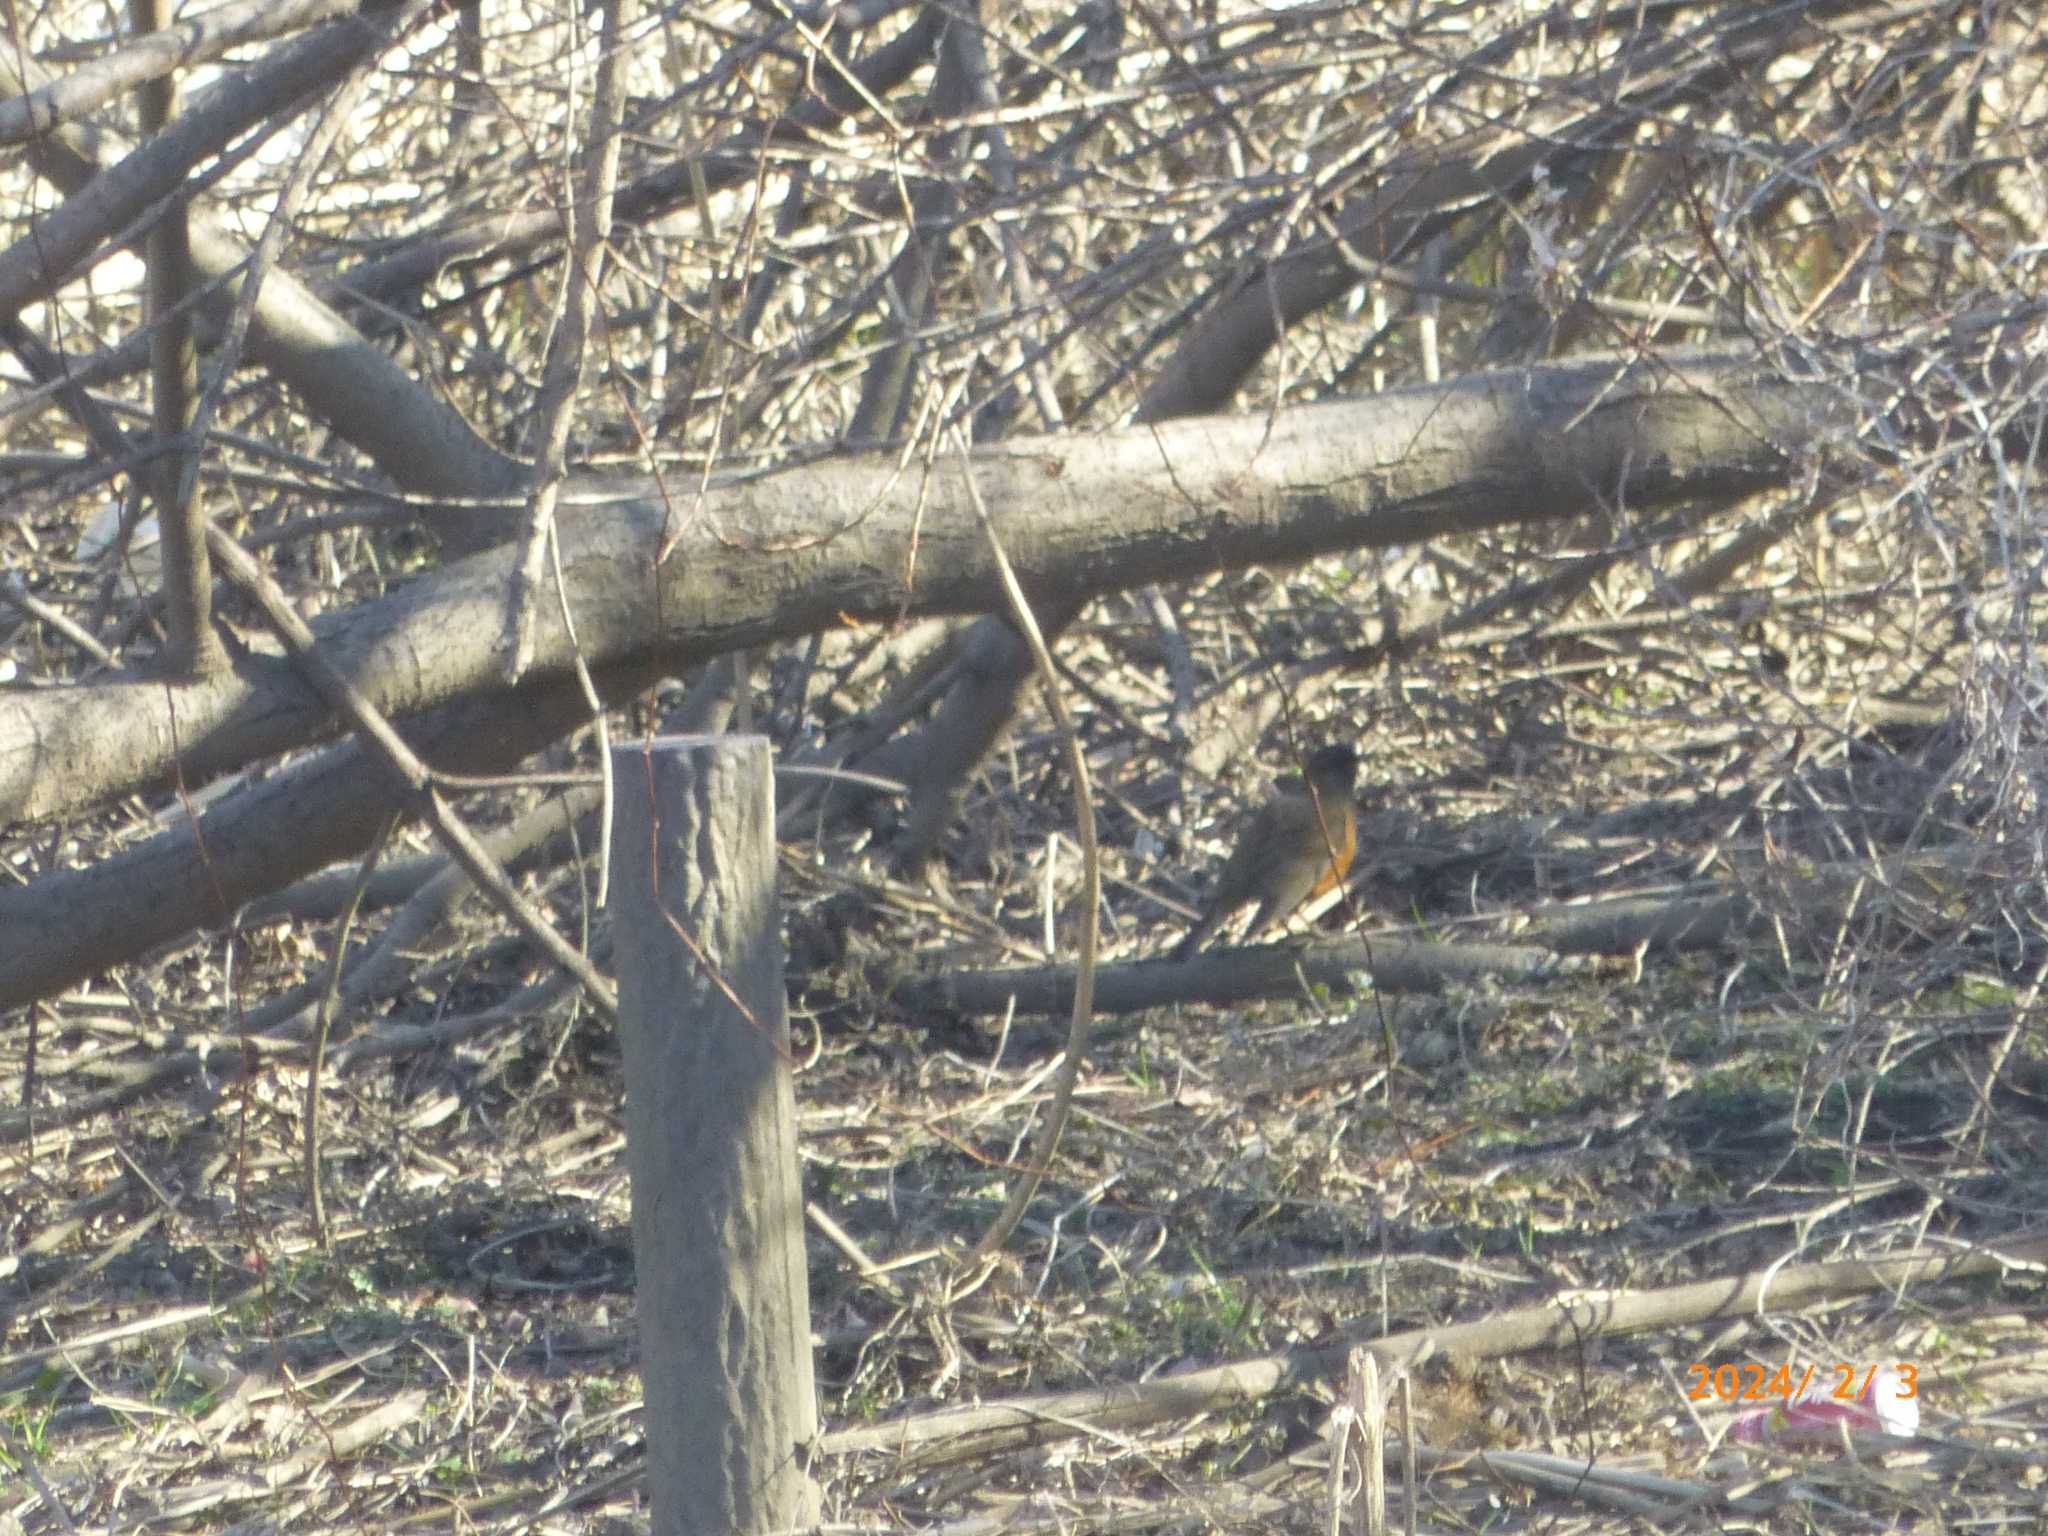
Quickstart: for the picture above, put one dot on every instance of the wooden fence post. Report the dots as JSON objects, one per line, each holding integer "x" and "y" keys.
{"x": 718, "y": 1235}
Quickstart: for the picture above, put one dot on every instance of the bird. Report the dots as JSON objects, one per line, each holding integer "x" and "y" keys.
{"x": 1298, "y": 845}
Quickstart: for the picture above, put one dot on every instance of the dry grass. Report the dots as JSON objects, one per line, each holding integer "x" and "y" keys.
{"x": 1853, "y": 1078}
{"x": 1846, "y": 726}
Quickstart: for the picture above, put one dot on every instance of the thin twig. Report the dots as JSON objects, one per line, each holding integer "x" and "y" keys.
{"x": 325, "y": 1021}
{"x": 1091, "y": 886}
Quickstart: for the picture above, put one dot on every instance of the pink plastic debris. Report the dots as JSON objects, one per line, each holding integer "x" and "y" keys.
{"x": 1886, "y": 1400}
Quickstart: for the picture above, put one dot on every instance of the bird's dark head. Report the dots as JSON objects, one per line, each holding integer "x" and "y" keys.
{"x": 1334, "y": 766}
